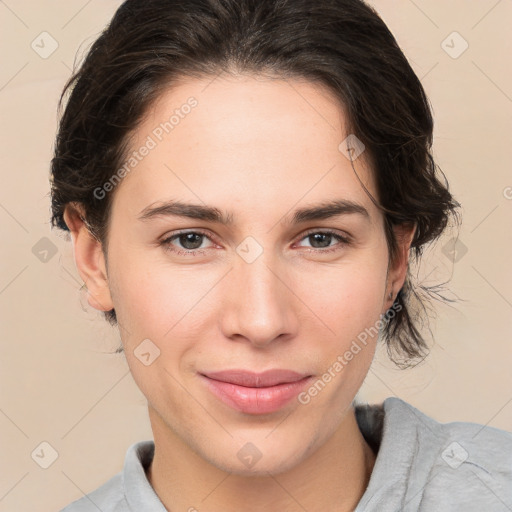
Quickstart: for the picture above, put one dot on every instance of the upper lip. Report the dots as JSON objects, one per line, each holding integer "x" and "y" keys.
{"x": 256, "y": 380}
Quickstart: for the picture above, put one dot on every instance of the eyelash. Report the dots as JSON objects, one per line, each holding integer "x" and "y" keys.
{"x": 167, "y": 242}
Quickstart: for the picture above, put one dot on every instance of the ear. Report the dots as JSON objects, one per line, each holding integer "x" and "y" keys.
{"x": 89, "y": 259}
{"x": 397, "y": 271}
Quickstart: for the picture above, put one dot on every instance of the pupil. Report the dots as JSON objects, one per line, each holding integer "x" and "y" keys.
{"x": 188, "y": 238}
{"x": 317, "y": 237}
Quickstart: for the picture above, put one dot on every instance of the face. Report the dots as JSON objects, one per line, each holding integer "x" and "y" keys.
{"x": 256, "y": 288}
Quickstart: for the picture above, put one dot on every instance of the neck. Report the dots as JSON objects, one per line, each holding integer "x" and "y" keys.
{"x": 332, "y": 479}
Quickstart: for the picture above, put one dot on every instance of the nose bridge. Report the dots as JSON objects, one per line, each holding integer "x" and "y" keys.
{"x": 260, "y": 308}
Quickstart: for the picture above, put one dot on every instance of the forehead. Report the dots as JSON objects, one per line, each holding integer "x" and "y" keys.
{"x": 247, "y": 137}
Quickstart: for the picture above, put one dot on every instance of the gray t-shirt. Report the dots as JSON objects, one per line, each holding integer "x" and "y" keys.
{"x": 422, "y": 465}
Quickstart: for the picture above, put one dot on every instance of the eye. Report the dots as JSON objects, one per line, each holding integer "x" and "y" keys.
{"x": 190, "y": 241}
{"x": 320, "y": 241}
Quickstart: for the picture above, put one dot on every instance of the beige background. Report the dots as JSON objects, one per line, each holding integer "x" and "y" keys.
{"x": 59, "y": 384}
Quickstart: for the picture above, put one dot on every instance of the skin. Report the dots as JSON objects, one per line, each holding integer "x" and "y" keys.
{"x": 258, "y": 149}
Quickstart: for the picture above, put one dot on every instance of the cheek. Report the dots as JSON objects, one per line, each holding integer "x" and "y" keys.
{"x": 172, "y": 307}
{"x": 141, "y": 301}
{"x": 149, "y": 295}
{"x": 346, "y": 298}
{"x": 158, "y": 310}
{"x": 350, "y": 304}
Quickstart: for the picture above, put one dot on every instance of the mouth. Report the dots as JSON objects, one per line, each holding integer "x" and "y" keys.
{"x": 255, "y": 393}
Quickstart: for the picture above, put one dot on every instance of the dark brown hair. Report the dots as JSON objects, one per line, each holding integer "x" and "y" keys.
{"x": 342, "y": 44}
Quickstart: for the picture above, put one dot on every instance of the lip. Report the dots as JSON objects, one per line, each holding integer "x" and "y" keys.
{"x": 255, "y": 393}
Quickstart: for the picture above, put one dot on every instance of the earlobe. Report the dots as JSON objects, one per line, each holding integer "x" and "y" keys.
{"x": 89, "y": 259}
{"x": 404, "y": 235}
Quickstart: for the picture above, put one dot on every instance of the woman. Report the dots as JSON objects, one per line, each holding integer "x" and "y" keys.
{"x": 244, "y": 181}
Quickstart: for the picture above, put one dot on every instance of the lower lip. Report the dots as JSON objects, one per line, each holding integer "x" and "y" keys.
{"x": 255, "y": 400}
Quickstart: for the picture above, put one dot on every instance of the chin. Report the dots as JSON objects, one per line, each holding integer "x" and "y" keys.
{"x": 277, "y": 463}
{"x": 258, "y": 458}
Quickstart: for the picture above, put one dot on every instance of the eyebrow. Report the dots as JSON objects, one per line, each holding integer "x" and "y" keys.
{"x": 322, "y": 211}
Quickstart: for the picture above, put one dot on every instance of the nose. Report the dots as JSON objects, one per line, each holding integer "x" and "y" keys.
{"x": 259, "y": 304}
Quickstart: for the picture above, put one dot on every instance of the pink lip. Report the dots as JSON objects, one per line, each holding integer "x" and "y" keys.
{"x": 256, "y": 393}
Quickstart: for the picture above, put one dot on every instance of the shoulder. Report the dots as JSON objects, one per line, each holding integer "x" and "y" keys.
{"x": 461, "y": 442}
{"x": 107, "y": 498}
{"x": 468, "y": 463}
{"x": 127, "y": 490}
